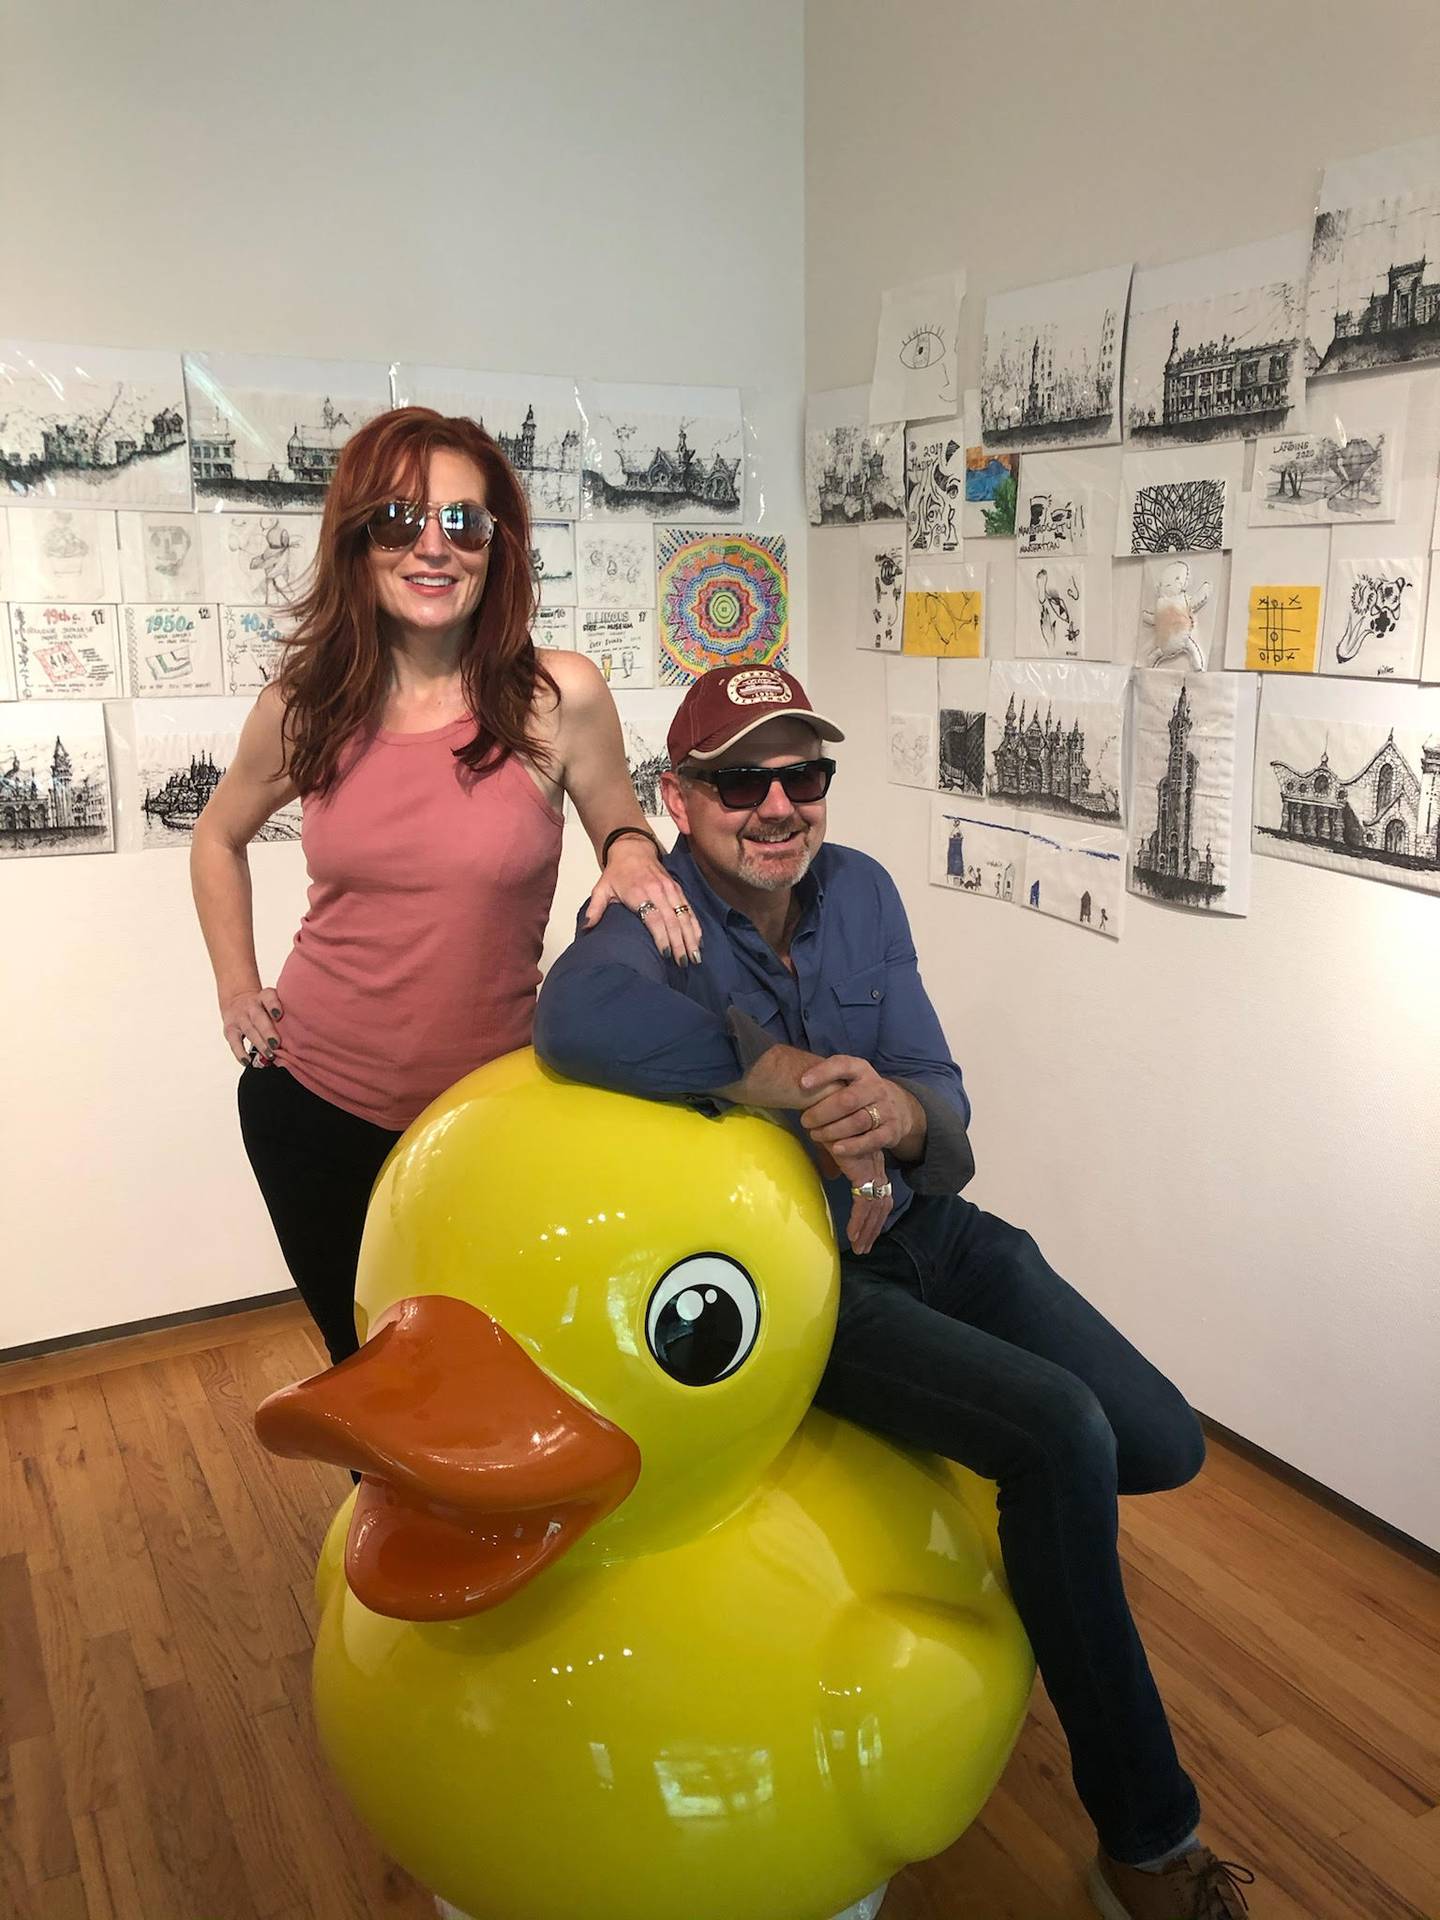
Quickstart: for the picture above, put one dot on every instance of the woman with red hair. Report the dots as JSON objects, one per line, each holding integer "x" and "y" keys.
{"x": 431, "y": 746}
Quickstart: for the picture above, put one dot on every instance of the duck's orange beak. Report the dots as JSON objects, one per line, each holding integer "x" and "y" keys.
{"x": 478, "y": 1468}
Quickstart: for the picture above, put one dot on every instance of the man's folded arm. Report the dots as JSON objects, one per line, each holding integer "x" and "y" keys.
{"x": 607, "y": 1016}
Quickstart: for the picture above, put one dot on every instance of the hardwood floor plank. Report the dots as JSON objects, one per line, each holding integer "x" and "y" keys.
{"x": 43, "y": 1838}
{"x": 100, "y": 1357}
{"x": 24, "y": 1697}
{"x": 131, "y": 1832}
{"x": 194, "y": 1831}
{"x": 105, "y": 1870}
{"x": 90, "y": 1760}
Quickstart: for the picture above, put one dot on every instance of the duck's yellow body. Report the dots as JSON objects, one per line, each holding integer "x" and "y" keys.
{"x": 778, "y": 1668}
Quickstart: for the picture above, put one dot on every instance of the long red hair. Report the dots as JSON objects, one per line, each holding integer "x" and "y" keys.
{"x": 336, "y": 670}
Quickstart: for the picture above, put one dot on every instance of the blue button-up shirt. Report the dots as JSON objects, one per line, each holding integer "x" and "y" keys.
{"x": 614, "y": 1013}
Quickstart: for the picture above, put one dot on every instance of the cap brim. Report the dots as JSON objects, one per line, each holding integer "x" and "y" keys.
{"x": 826, "y": 729}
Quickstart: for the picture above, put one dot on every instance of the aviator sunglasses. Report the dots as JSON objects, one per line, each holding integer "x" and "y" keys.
{"x": 397, "y": 524}
{"x": 740, "y": 789}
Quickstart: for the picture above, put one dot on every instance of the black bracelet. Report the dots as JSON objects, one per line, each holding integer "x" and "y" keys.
{"x": 616, "y": 833}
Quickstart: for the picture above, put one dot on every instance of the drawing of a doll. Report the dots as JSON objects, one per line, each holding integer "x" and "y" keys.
{"x": 1174, "y": 636}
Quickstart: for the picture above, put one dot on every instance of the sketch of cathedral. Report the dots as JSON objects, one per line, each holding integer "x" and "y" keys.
{"x": 1039, "y": 380}
{"x": 527, "y": 454}
{"x": 1222, "y": 381}
{"x": 1392, "y": 325}
{"x": 668, "y": 480}
{"x": 857, "y": 482}
{"x": 1045, "y": 766}
{"x": 64, "y": 809}
{"x": 93, "y": 443}
{"x": 182, "y": 799}
{"x": 1384, "y": 812}
{"x": 1168, "y": 863}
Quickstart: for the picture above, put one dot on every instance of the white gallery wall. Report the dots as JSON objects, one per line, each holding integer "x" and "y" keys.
{"x": 1223, "y": 1132}
{"x": 612, "y": 192}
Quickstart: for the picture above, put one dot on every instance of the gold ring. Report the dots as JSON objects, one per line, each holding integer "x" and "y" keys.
{"x": 682, "y": 908}
{"x": 874, "y": 1113}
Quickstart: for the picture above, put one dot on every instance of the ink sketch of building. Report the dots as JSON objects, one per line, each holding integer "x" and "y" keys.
{"x": 1045, "y": 766}
{"x": 670, "y": 479}
{"x": 1168, "y": 863}
{"x": 180, "y": 802}
{"x": 1399, "y": 322}
{"x": 1385, "y": 812}
{"x": 856, "y": 484}
{"x": 92, "y": 444}
{"x": 39, "y": 816}
{"x": 1219, "y": 386}
{"x": 527, "y": 454}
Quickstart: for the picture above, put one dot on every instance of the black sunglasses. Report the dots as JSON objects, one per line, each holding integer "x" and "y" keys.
{"x": 399, "y": 524}
{"x": 740, "y": 789}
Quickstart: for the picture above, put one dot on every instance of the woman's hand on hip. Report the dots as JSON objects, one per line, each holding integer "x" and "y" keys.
{"x": 252, "y": 1021}
{"x": 635, "y": 877}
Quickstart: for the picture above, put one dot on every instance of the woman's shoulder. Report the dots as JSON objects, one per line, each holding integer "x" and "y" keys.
{"x": 578, "y": 681}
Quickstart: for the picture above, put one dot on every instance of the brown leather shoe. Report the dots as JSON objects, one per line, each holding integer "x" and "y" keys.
{"x": 1196, "y": 1886}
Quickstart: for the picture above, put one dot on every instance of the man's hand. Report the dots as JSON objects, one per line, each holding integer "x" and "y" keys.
{"x": 853, "y": 1109}
{"x": 867, "y": 1217}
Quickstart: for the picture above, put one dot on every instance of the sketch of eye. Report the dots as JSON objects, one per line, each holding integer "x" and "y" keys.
{"x": 922, "y": 348}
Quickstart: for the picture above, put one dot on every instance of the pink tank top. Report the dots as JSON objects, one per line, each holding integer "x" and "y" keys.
{"x": 418, "y": 957}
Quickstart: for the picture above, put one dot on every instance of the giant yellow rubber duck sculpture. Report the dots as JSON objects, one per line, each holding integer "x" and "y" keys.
{"x": 615, "y": 1626}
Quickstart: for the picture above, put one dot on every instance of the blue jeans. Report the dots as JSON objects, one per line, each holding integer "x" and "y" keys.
{"x": 955, "y": 1336}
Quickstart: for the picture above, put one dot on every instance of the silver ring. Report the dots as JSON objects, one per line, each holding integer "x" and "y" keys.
{"x": 248, "y": 1046}
{"x": 645, "y": 906}
{"x": 873, "y": 1190}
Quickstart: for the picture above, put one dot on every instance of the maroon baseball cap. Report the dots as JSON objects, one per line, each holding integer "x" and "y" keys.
{"x": 725, "y": 704}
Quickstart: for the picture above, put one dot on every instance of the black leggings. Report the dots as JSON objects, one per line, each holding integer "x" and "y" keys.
{"x": 315, "y": 1164}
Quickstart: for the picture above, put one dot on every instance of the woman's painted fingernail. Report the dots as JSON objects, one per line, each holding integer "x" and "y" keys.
{"x": 271, "y": 1044}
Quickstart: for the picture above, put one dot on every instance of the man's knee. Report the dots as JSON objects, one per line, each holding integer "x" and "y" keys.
{"x": 1173, "y": 1452}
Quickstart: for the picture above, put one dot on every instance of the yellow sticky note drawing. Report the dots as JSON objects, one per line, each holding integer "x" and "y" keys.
{"x": 1283, "y": 630}
{"x": 947, "y": 625}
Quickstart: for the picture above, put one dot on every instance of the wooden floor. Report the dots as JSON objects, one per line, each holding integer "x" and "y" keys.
{"x": 155, "y": 1630}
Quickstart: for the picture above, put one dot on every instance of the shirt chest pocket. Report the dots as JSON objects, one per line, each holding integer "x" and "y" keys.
{"x": 860, "y": 999}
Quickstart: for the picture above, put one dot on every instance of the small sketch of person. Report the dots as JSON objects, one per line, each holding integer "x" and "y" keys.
{"x": 1104, "y": 918}
{"x": 1173, "y": 621}
{"x": 1376, "y": 604}
{"x": 1034, "y": 893}
{"x": 1085, "y": 909}
{"x": 1057, "y": 624}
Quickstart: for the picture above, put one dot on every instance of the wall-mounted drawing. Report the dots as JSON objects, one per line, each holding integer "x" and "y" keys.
{"x": 1277, "y": 587}
{"x": 93, "y": 426}
{"x": 660, "y": 453}
{"x": 1214, "y": 345}
{"x": 552, "y": 554}
{"x": 1050, "y": 609}
{"x": 258, "y": 559}
{"x": 181, "y": 755}
{"x": 621, "y": 642}
{"x": 935, "y": 480}
{"x": 62, "y": 553}
{"x": 253, "y": 643}
{"x": 911, "y": 722}
{"x": 1374, "y": 288}
{"x": 645, "y": 722}
{"x": 1373, "y": 609}
{"x": 880, "y": 593}
{"x": 615, "y": 564}
{"x": 54, "y": 779}
{"x": 724, "y": 601}
{"x": 1349, "y": 778}
{"x": 554, "y": 627}
{"x": 1182, "y": 501}
{"x": 65, "y": 652}
{"x": 171, "y": 650}
{"x": 1051, "y": 363}
{"x": 1055, "y": 737}
{"x": 961, "y": 690}
{"x": 1077, "y": 875}
{"x": 269, "y": 432}
{"x": 992, "y": 479}
{"x": 160, "y": 558}
{"x": 853, "y": 471}
{"x": 1179, "y": 600}
{"x": 1194, "y": 738}
{"x": 977, "y": 852}
{"x": 945, "y": 609}
{"x": 915, "y": 349}
{"x": 534, "y": 417}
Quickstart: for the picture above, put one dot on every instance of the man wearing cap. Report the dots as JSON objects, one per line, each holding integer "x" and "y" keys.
{"x": 954, "y": 1335}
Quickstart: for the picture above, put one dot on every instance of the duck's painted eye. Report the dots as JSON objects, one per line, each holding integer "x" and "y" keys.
{"x": 702, "y": 1319}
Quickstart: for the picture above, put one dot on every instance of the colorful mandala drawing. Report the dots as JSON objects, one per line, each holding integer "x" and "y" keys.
{"x": 724, "y": 601}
